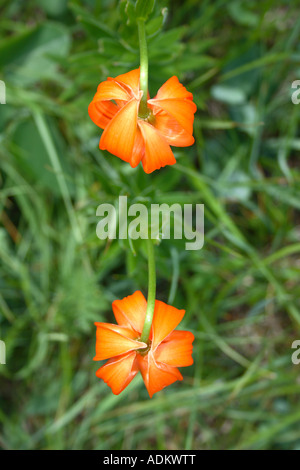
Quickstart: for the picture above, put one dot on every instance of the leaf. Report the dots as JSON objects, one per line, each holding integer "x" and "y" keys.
{"x": 143, "y": 8}
{"x": 36, "y": 61}
{"x": 238, "y": 13}
{"x": 228, "y": 94}
{"x": 32, "y": 156}
{"x": 92, "y": 25}
{"x": 14, "y": 48}
{"x": 55, "y": 7}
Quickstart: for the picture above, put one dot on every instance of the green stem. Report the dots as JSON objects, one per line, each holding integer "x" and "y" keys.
{"x": 143, "y": 110}
{"x": 151, "y": 292}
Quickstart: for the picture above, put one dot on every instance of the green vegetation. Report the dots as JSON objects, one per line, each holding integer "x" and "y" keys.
{"x": 240, "y": 292}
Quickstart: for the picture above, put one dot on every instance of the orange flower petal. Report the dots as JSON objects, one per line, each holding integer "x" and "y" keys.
{"x": 113, "y": 340}
{"x": 119, "y": 135}
{"x": 130, "y": 311}
{"x": 165, "y": 320}
{"x": 172, "y": 131}
{"x": 119, "y": 372}
{"x": 130, "y": 79}
{"x": 156, "y": 376}
{"x": 101, "y": 112}
{"x": 176, "y": 350}
{"x": 138, "y": 149}
{"x": 110, "y": 90}
{"x": 157, "y": 152}
{"x": 121, "y": 329}
{"x": 172, "y": 88}
{"x": 181, "y": 110}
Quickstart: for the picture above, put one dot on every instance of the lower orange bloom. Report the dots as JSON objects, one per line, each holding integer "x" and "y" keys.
{"x": 157, "y": 360}
{"x": 115, "y": 108}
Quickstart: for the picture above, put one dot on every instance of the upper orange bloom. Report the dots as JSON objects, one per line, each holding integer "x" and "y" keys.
{"x": 157, "y": 361}
{"x": 115, "y": 109}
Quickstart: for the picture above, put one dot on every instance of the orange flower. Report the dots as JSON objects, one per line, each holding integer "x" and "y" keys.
{"x": 115, "y": 109}
{"x": 157, "y": 361}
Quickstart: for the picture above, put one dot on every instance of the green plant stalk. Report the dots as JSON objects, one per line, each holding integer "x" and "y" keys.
{"x": 151, "y": 292}
{"x": 143, "y": 109}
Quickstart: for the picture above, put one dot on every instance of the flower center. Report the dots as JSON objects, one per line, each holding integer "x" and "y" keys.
{"x": 148, "y": 117}
{"x": 144, "y": 351}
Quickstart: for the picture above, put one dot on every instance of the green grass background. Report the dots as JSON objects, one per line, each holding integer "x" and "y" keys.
{"x": 240, "y": 292}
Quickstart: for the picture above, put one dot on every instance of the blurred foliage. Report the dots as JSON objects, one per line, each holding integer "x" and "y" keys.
{"x": 241, "y": 291}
